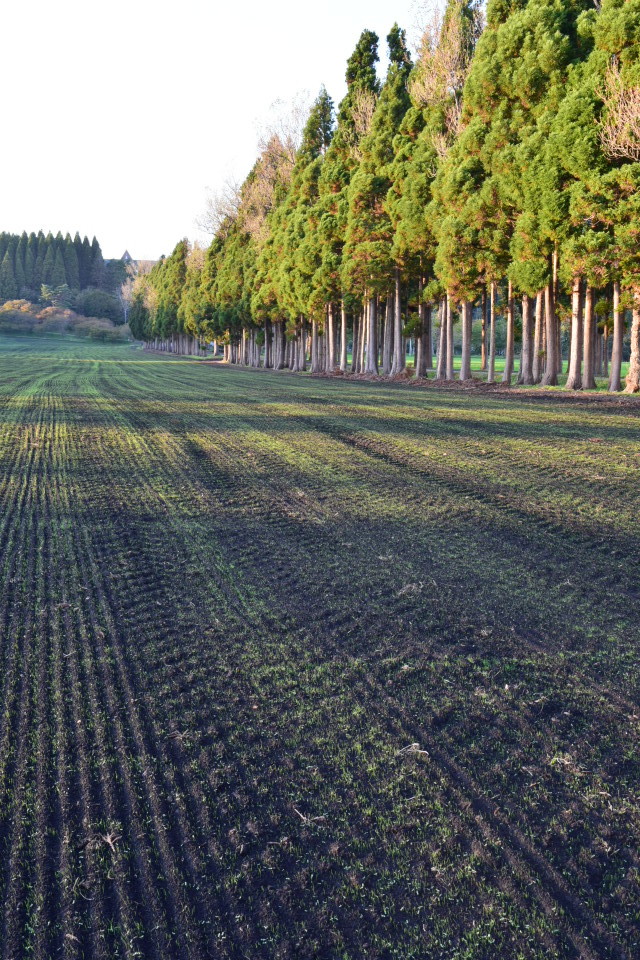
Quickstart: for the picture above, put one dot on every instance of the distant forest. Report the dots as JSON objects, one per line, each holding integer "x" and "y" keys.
{"x": 61, "y": 270}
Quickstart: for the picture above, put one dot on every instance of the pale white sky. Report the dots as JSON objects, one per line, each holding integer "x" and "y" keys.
{"x": 117, "y": 117}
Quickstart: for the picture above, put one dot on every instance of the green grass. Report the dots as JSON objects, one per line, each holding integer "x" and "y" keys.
{"x": 300, "y": 668}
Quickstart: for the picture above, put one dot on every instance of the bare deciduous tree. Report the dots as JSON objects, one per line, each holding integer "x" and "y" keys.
{"x": 278, "y": 142}
{"x": 444, "y": 57}
{"x": 222, "y": 206}
{"x": 620, "y": 125}
{"x": 272, "y": 171}
{"x": 285, "y": 125}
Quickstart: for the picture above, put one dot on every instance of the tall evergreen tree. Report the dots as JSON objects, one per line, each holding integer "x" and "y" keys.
{"x": 85, "y": 263}
{"x": 96, "y": 274}
{"x": 368, "y": 268}
{"x": 72, "y": 268}
{"x": 341, "y": 159}
{"x": 48, "y": 263}
{"x": 8, "y": 285}
{"x": 58, "y": 276}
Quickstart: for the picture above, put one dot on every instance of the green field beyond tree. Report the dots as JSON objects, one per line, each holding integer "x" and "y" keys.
{"x": 299, "y": 668}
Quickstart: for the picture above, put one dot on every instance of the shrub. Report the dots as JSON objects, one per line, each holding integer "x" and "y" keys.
{"x": 97, "y": 303}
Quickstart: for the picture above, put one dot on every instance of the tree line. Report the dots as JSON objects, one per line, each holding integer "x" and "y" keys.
{"x": 61, "y": 270}
{"x": 495, "y": 176}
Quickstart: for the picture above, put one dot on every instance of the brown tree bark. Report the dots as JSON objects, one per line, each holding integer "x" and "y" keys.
{"x": 508, "y": 359}
{"x": 633, "y": 376}
{"x": 355, "y": 343}
{"x": 491, "y": 371}
{"x": 428, "y": 342}
{"x": 550, "y": 378}
{"x": 399, "y": 357}
{"x": 441, "y": 369}
{"x": 574, "y": 376}
{"x": 588, "y": 371}
{"x": 343, "y": 337}
{"x": 449, "y": 315}
{"x": 599, "y": 363}
{"x": 526, "y": 357}
{"x": 483, "y": 332}
{"x": 331, "y": 340}
{"x": 303, "y": 344}
{"x": 315, "y": 365}
{"x": 615, "y": 382}
{"x": 371, "y": 365}
{"x": 423, "y": 341}
{"x": 387, "y": 337}
{"x": 538, "y": 348}
{"x": 465, "y": 362}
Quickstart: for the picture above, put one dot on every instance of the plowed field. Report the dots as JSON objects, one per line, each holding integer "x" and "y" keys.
{"x": 296, "y": 668}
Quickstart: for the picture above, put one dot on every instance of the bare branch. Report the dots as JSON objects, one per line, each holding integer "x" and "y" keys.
{"x": 363, "y": 105}
{"x": 286, "y": 124}
{"x": 444, "y": 54}
{"x": 444, "y": 58}
{"x": 620, "y": 126}
{"x": 222, "y": 206}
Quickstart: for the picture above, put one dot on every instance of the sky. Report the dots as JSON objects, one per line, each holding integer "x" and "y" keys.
{"x": 120, "y": 118}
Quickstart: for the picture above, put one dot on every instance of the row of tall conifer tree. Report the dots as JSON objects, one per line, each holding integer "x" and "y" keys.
{"x": 498, "y": 173}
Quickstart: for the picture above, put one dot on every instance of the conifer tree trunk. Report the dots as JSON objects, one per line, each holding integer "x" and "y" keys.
{"x": 422, "y": 340}
{"x": 294, "y": 364}
{"x": 618, "y": 337}
{"x": 314, "y": 346}
{"x": 364, "y": 334}
{"x": 387, "y": 337}
{"x": 508, "y": 359}
{"x": 491, "y": 373}
{"x": 574, "y": 375}
{"x": 550, "y": 378}
{"x": 399, "y": 357}
{"x": 633, "y": 376}
{"x": 303, "y": 345}
{"x": 526, "y": 357}
{"x": 428, "y": 336}
{"x": 331, "y": 340}
{"x": 441, "y": 369}
{"x": 605, "y": 350}
{"x": 558, "y": 325}
{"x": 372, "y": 330}
{"x": 483, "y": 332}
{"x": 559, "y": 350}
{"x": 280, "y": 341}
{"x": 355, "y": 344}
{"x": 418, "y": 357}
{"x": 588, "y": 373}
{"x": 449, "y": 315}
{"x": 599, "y": 364}
{"x": 343, "y": 337}
{"x": 537, "y": 339}
{"x": 465, "y": 363}
{"x": 268, "y": 362}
